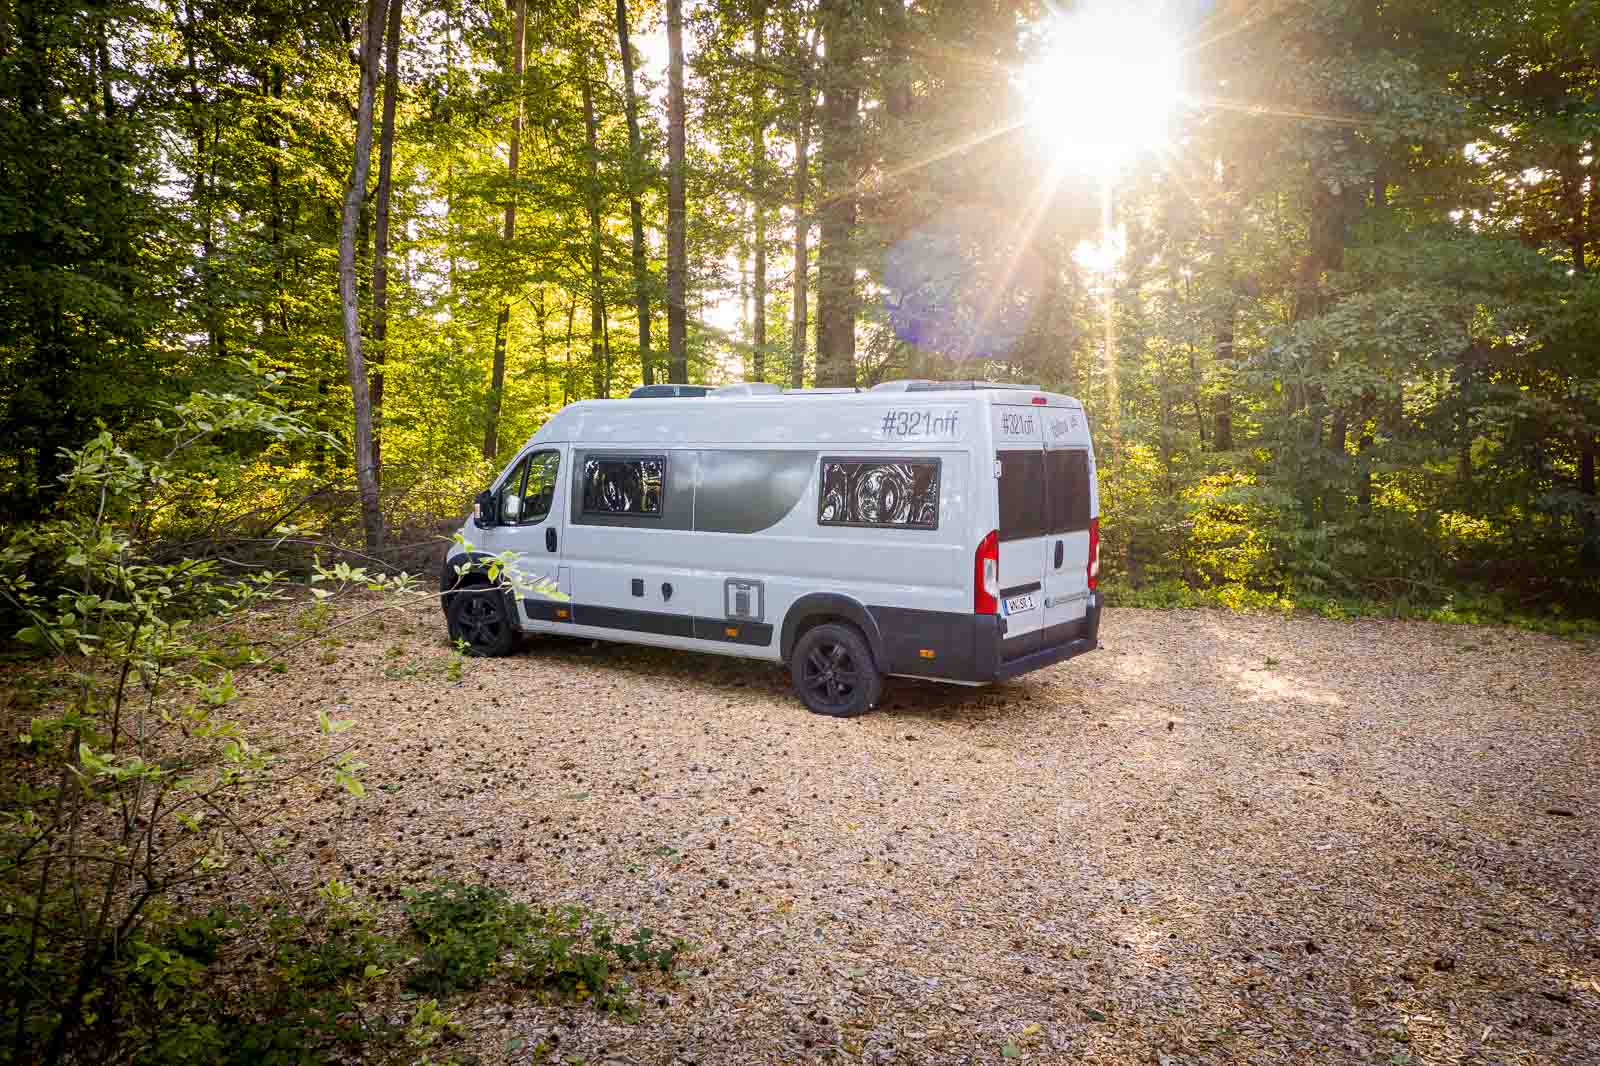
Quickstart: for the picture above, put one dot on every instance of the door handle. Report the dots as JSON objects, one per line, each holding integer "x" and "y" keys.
{"x": 550, "y": 539}
{"x": 1061, "y": 554}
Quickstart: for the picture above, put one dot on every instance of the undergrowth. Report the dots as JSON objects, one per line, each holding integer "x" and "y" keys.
{"x": 1461, "y": 608}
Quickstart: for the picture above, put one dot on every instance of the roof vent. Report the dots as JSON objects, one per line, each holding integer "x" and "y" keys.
{"x": 924, "y": 385}
{"x": 748, "y": 388}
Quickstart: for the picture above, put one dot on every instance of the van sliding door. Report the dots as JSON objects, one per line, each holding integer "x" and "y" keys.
{"x": 1024, "y": 522}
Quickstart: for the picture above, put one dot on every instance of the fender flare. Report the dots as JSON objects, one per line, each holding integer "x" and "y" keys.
{"x": 477, "y": 564}
{"x": 821, "y": 605}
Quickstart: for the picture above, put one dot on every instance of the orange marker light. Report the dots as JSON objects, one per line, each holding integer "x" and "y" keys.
{"x": 731, "y": 631}
{"x": 926, "y": 653}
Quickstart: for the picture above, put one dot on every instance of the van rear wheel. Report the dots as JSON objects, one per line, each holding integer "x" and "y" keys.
{"x": 834, "y": 673}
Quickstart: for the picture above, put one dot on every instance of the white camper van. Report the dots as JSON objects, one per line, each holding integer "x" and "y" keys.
{"x": 941, "y": 530}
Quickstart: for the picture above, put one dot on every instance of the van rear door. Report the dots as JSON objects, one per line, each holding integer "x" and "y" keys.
{"x": 1024, "y": 523}
{"x": 1068, "y": 471}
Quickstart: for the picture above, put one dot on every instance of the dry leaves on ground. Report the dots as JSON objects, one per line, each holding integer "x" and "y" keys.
{"x": 1218, "y": 839}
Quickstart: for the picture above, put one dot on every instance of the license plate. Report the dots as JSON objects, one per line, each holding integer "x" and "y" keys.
{"x": 1020, "y": 604}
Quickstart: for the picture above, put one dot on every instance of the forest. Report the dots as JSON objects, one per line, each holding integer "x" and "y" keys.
{"x": 283, "y": 283}
{"x": 1323, "y": 273}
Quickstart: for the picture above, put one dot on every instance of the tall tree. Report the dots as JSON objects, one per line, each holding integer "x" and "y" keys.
{"x": 599, "y": 346}
{"x": 802, "y": 217}
{"x": 636, "y": 174}
{"x": 502, "y": 326}
{"x": 837, "y": 299}
{"x": 350, "y": 311}
{"x": 380, "y": 244}
{"x": 677, "y": 213}
{"x": 758, "y": 192}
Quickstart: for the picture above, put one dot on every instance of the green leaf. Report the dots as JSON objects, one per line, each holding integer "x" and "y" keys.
{"x": 1011, "y": 1051}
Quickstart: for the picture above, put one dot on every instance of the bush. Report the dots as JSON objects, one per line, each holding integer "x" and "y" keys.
{"x": 471, "y": 933}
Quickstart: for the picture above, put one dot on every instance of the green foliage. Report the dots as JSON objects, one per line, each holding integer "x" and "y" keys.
{"x": 471, "y": 933}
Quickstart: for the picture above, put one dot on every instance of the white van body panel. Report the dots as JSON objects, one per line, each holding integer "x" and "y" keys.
{"x": 740, "y": 486}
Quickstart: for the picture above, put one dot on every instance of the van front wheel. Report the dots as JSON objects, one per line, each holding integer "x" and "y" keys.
{"x": 833, "y": 671}
{"x": 480, "y": 618}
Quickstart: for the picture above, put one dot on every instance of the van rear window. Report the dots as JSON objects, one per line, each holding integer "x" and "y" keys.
{"x": 893, "y": 493}
{"x": 1068, "y": 490}
{"x": 1022, "y": 495}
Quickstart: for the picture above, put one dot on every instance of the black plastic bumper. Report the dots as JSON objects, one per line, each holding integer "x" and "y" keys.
{"x": 971, "y": 647}
{"x": 1073, "y": 639}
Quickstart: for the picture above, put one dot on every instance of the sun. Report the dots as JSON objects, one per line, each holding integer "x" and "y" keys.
{"x": 1104, "y": 88}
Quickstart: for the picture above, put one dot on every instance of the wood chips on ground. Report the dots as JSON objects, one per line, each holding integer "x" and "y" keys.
{"x": 1219, "y": 839}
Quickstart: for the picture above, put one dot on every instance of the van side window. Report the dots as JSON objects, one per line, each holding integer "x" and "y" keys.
{"x": 889, "y": 492}
{"x": 623, "y": 484}
{"x": 540, "y": 492}
{"x": 509, "y": 506}
{"x": 1068, "y": 472}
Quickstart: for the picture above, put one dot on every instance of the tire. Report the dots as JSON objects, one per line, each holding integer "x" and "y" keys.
{"x": 482, "y": 617}
{"x": 833, "y": 671}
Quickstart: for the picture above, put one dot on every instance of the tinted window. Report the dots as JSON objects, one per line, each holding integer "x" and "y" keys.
{"x": 897, "y": 493}
{"x": 1069, "y": 490}
{"x": 1022, "y": 495}
{"x": 540, "y": 490}
{"x": 509, "y": 508}
{"x": 623, "y": 485}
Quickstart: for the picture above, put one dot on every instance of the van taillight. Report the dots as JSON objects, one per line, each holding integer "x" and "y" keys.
{"x": 1094, "y": 552}
{"x": 986, "y": 575}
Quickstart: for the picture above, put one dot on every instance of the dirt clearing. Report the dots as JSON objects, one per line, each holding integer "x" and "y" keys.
{"x": 1218, "y": 839}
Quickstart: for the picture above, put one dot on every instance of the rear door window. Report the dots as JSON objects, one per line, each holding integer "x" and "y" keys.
{"x": 1023, "y": 511}
{"x": 1068, "y": 493}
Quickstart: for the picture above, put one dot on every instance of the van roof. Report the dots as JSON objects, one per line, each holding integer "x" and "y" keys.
{"x": 573, "y": 422}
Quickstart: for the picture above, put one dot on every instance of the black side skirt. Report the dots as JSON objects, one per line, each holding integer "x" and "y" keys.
{"x": 723, "y": 630}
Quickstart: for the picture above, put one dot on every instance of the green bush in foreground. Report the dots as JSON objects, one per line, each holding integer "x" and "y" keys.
{"x": 130, "y": 801}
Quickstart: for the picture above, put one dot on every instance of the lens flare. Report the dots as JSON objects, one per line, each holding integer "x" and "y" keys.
{"x": 1105, "y": 87}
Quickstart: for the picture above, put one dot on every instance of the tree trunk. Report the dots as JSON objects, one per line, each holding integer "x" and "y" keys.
{"x": 572, "y": 315}
{"x": 350, "y": 311}
{"x": 636, "y": 164}
{"x": 1589, "y": 520}
{"x": 677, "y": 220}
{"x": 836, "y": 259}
{"x": 201, "y": 193}
{"x": 380, "y": 250}
{"x": 544, "y": 345}
{"x": 1224, "y": 409}
{"x": 1364, "y": 448}
{"x": 597, "y": 297}
{"x": 502, "y": 326}
{"x": 802, "y": 221}
{"x": 758, "y": 186}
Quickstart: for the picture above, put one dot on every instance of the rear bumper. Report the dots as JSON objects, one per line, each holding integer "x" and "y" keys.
{"x": 1061, "y": 643}
{"x": 969, "y": 647}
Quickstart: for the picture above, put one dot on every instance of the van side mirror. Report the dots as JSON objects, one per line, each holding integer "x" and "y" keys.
{"x": 485, "y": 509}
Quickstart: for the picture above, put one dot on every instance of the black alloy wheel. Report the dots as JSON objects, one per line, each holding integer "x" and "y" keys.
{"x": 834, "y": 673}
{"x": 481, "y": 617}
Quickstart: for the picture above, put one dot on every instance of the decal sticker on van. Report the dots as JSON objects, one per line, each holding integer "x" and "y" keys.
{"x": 1018, "y": 424}
{"x": 1064, "y": 427}
{"x": 920, "y": 423}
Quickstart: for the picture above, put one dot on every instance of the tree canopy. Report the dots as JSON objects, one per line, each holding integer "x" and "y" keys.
{"x": 1337, "y": 330}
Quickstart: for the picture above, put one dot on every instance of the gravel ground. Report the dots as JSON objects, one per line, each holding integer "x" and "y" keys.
{"x": 1218, "y": 839}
